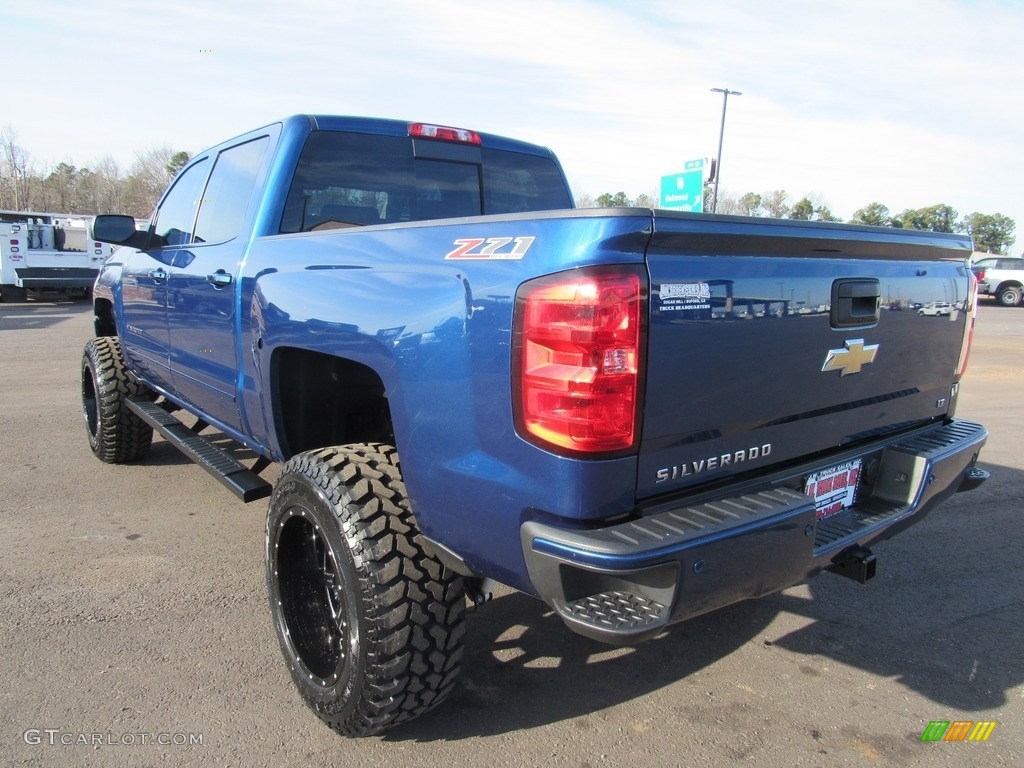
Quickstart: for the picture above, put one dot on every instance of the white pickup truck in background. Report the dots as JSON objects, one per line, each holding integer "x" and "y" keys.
{"x": 1000, "y": 276}
{"x": 45, "y": 252}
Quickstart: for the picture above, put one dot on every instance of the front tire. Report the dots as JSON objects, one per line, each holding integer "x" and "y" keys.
{"x": 116, "y": 434}
{"x": 369, "y": 622}
{"x": 1009, "y": 296}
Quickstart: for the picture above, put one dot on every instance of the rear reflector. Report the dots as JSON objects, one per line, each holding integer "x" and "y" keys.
{"x": 426, "y": 131}
{"x": 577, "y": 358}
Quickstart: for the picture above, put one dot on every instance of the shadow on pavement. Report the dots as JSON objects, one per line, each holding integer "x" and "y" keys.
{"x": 523, "y": 668}
{"x": 942, "y": 618}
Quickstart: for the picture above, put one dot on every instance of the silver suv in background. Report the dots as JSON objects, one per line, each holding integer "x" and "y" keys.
{"x": 1002, "y": 277}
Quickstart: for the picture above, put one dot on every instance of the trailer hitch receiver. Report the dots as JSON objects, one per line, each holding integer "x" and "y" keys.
{"x": 858, "y": 564}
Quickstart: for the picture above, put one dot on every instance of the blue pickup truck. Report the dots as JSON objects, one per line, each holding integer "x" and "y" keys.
{"x": 635, "y": 415}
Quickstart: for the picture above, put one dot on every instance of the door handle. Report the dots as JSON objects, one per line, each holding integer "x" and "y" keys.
{"x": 219, "y": 279}
{"x": 158, "y": 274}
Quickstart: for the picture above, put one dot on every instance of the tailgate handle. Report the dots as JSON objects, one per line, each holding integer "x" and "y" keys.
{"x": 856, "y": 301}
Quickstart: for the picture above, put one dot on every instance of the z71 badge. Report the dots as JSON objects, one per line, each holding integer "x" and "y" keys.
{"x": 484, "y": 248}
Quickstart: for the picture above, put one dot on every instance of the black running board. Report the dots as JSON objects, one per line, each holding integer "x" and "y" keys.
{"x": 232, "y": 474}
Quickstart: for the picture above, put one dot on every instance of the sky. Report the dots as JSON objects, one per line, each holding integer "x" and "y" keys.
{"x": 848, "y": 102}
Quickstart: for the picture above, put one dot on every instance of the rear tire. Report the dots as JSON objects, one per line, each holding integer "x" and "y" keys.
{"x": 1009, "y": 296}
{"x": 369, "y": 622}
{"x": 116, "y": 434}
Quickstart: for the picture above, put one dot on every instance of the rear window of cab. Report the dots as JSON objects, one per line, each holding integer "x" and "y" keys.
{"x": 353, "y": 179}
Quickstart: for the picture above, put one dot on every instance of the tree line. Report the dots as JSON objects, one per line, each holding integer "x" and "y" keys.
{"x": 106, "y": 188}
{"x": 102, "y": 187}
{"x": 992, "y": 233}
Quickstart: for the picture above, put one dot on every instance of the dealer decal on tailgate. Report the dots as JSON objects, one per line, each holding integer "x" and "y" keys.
{"x": 834, "y": 489}
{"x": 483, "y": 248}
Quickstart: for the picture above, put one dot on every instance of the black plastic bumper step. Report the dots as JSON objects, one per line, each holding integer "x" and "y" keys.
{"x": 232, "y": 474}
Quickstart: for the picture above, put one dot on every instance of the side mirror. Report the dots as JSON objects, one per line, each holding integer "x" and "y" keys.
{"x": 119, "y": 230}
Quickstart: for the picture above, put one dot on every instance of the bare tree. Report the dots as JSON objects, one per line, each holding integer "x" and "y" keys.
{"x": 729, "y": 205}
{"x": 109, "y": 192}
{"x": 774, "y": 204}
{"x": 15, "y": 172}
{"x": 149, "y": 176}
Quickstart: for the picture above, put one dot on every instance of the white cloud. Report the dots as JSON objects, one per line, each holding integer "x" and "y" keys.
{"x": 908, "y": 104}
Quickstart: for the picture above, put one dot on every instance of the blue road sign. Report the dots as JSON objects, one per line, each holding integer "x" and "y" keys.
{"x": 684, "y": 191}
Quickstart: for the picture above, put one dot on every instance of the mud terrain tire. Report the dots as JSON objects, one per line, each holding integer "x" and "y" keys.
{"x": 369, "y": 622}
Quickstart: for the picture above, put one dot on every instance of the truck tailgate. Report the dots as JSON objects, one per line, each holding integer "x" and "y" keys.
{"x": 771, "y": 341}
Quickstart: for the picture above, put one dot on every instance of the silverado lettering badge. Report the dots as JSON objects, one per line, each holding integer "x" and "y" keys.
{"x": 851, "y": 359}
{"x": 711, "y": 463}
{"x": 482, "y": 248}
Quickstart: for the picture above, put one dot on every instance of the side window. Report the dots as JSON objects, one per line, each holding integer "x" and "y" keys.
{"x": 349, "y": 179}
{"x": 227, "y": 195}
{"x": 175, "y": 218}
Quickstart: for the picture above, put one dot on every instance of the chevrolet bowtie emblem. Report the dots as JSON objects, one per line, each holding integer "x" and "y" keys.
{"x": 851, "y": 359}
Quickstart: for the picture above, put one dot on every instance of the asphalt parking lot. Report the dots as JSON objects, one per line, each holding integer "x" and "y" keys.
{"x": 136, "y": 632}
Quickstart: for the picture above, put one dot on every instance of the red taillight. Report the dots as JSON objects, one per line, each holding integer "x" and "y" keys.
{"x": 13, "y": 241}
{"x": 577, "y": 360}
{"x": 443, "y": 132}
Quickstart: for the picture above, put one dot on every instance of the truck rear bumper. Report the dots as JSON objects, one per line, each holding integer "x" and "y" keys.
{"x": 39, "y": 278}
{"x": 624, "y": 583}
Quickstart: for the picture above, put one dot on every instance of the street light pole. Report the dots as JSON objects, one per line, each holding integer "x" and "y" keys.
{"x": 721, "y": 134}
